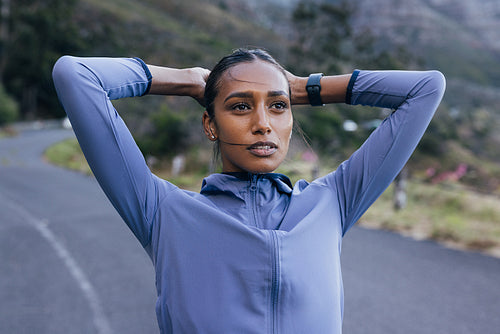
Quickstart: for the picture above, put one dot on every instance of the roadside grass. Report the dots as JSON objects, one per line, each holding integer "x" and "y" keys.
{"x": 448, "y": 213}
{"x": 7, "y": 131}
{"x": 68, "y": 154}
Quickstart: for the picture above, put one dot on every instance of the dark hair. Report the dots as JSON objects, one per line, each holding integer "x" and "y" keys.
{"x": 238, "y": 56}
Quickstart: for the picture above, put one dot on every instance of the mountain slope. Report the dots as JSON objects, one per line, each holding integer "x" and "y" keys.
{"x": 446, "y": 34}
{"x": 180, "y": 33}
{"x": 458, "y": 36}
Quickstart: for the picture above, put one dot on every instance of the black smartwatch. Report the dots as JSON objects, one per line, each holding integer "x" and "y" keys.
{"x": 313, "y": 88}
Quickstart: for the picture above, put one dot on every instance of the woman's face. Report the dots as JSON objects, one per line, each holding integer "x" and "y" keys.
{"x": 252, "y": 118}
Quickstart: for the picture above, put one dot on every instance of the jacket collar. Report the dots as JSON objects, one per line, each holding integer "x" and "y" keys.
{"x": 233, "y": 182}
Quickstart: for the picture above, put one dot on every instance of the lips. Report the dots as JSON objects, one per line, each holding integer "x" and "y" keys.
{"x": 263, "y": 149}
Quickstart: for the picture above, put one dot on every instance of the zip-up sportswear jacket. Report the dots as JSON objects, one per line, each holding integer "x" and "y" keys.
{"x": 250, "y": 253}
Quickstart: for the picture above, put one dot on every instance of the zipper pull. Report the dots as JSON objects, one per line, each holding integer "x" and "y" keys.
{"x": 253, "y": 183}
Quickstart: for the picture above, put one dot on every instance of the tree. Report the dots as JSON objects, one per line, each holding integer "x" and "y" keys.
{"x": 170, "y": 133}
{"x": 321, "y": 30}
{"x": 4, "y": 32}
{"x": 39, "y": 32}
{"x": 8, "y": 108}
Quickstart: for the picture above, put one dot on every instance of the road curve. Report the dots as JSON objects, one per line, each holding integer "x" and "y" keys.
{"x": 69, "y": 265}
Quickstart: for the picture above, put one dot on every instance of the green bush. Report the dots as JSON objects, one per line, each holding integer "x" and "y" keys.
{"x": 9, "y": 109}
{"x": 170, "y": 134}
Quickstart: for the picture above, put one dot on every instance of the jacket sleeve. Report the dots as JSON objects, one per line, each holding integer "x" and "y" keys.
{"x": 85, "y": 87}
{"x": 414, "y": 97}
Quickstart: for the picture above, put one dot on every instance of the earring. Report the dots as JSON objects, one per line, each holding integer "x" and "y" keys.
{"x": 213, "y": 137}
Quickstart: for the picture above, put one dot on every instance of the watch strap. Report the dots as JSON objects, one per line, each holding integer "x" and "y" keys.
{"x": 313, "y": 88}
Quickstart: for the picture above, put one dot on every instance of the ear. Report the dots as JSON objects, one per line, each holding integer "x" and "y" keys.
{"x": 209, "y": 127}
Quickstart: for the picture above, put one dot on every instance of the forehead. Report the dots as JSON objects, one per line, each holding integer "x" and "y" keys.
{"x": 257, "y": 76}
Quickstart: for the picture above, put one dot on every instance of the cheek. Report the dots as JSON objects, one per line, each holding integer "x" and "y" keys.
{"x": 232, "y": 131}
{"x": 285, "y": 129}
{"x": 228, "y": 126}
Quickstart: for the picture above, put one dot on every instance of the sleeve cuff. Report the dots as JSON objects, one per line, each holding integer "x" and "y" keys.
{"x": 148, "y": 74}
{"x": 348, "y": 94}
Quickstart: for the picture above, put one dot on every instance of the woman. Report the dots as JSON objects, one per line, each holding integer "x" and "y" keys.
{"x": 250, "y": 253}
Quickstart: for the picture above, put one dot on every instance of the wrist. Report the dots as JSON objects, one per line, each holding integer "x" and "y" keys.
{"x": 172, "y": 81}
{"x": 193, "y": 84}
{"x": 313, "y": 88}
{"x": 298, "y": 90}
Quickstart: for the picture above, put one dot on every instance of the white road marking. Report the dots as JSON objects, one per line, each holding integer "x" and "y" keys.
{"x": 100, "y": 321}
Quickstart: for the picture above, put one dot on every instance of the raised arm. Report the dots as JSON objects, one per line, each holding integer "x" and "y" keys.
{"x": 181, "y": 82}
{"x": 333, "y": 88}
{"x": 412, "y": 95}
{"x": 85, "y": 87}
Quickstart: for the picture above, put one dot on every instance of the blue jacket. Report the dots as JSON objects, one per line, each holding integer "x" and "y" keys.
{"x": 249, "y": 253}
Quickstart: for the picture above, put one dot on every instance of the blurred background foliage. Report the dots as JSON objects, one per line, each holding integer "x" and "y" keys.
{"x": 305, "y": 36}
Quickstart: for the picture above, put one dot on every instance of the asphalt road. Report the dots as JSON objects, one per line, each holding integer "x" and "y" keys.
{"x": 69, "y": 265}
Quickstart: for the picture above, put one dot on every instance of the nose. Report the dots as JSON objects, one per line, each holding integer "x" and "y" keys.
{"x": 261, "y": 122}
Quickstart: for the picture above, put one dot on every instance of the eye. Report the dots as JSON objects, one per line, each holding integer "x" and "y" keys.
{"x": 240, "y": 107}
{"x": 280, "y": 105}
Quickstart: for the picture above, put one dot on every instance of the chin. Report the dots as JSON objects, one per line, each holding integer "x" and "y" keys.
{"x": 252, "y": 164}
{"x": 262, "y": 168}
{"x": 262, "y": 171}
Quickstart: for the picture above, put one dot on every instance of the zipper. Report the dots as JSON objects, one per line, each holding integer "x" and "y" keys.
{"x": 275, "y": 280}
{"x": 253, "y": 197}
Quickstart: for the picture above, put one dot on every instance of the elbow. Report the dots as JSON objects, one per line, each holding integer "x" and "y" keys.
{"x": 436, "y": 84}
{"x": 62, "y": 70}
{"x": 430, "y": 88}
{"x": 67, "y": 78}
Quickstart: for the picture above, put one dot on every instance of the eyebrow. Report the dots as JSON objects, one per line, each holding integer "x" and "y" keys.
{"x": 277, "y": 93}
{"x": 272, "y": 93}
